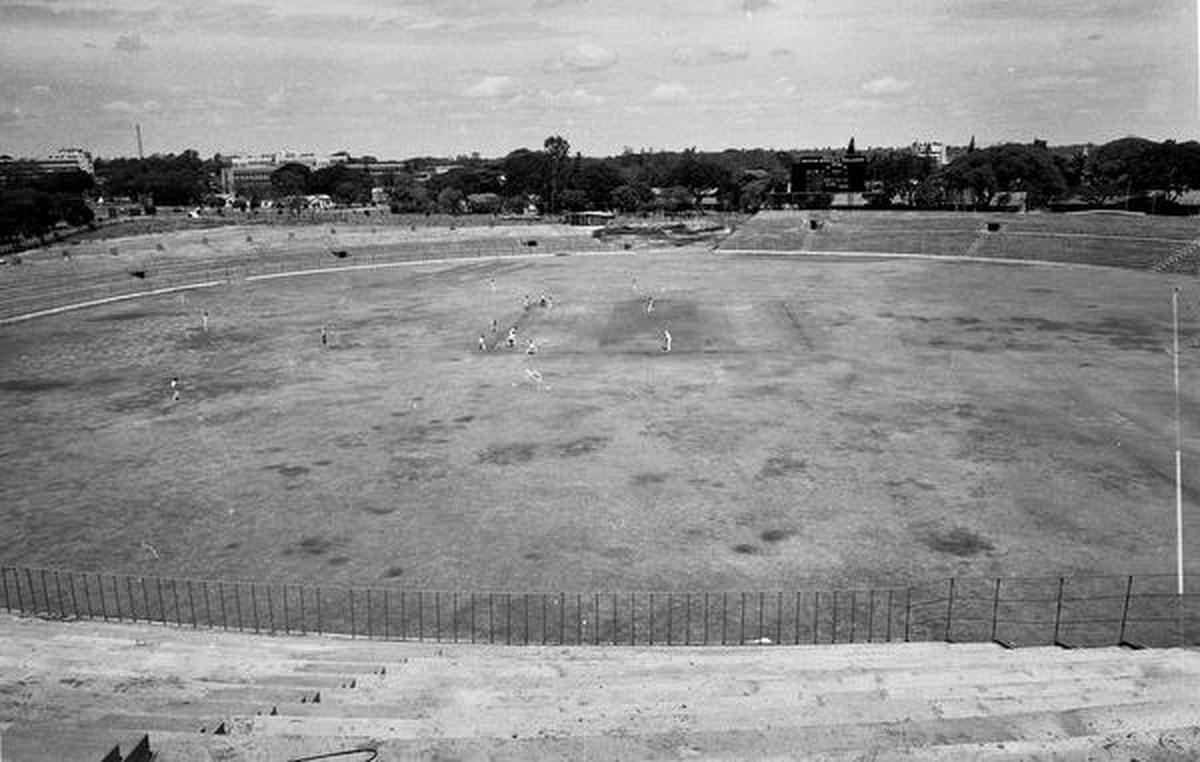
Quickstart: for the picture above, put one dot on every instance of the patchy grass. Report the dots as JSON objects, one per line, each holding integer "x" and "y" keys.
{"x": 888, "y": 398}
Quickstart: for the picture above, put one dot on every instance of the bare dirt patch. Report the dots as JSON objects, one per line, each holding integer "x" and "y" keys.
{"x": 581, "y": 446}
{"x": 512, "y": 454}
{"x": 781, "y": 465}
{"x": 958, "y": 541}
{"x": 775, "y": 535}
{"x": 34, "y": 385}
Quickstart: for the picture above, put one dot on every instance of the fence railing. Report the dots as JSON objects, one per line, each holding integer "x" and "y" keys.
{"x": 1068, "y": 611}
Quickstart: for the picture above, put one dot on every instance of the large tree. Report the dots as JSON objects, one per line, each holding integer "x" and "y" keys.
{"x": 557, "y": 150}
{"x": 290, "y": 180}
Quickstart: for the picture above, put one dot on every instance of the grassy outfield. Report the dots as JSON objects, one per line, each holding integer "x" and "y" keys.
{"x": 819, "y": 422}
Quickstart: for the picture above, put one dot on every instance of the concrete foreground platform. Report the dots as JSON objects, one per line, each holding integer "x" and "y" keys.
{"x": 71, "y": 690}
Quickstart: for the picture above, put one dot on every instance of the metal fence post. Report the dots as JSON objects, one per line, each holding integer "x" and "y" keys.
{"x": 287, "y": 620}
{"x": 421, "y": 615}
{"x": 1058, "y": 610}
{"x": 87, "y": 596}
{"x": 437, "y": 616}
{"x": 796, "y": 623}
{"x": 834, "y": 630}
{"x": 352, "y": 623}
{"x": 270, "y": 606}
{"x": 889, "y": 617}
{"x": 224, "y": 614}
{"x": 254, "y": 604}
{"x": 58, "y": 596}
{"x": 907, "y": 611}
{"x": 632, "y": 618}
{"x": 724, "y": 615}
{"x": 853, "y": 611}
{"x": 871, "y": 615}
{"x": 192, "y": 605}
{"x": 687, "y": 626}
{"x": 779, "y": 618}
{"x": 1125, "y": 609}
{"x": 525, "y": 601}
{"x": 949, "y": 609}
{"x": 237, "y": 603}
{"x": 71, "y": 583}
{"x": 651, "y": 618}
{"x": 761, "y": 596}
{"x": 562, "y": 616}
{"x": 995, "y": 608}
{"x": 670, "y": 615}
{"x": 46, "y": 592}
{"x": 103, "y": 603}
{"x": 132, "y": 605}
{"x": 7, "y": 597}
{"x": 508, "y": 619}
{"x": 816, "y": 616}
{"x": 162, "y": 608}
{"x": 175, "y": 600}
{"x": 742, "y": 619}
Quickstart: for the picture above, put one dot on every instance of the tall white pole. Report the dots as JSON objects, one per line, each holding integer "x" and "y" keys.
{"x": 1178, "y": 458}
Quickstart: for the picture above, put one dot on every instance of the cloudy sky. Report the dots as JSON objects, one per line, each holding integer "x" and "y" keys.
{"x": 398, "y": 78}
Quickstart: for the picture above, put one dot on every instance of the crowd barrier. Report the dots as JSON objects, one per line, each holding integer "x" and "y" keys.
{"x": 1136, "y": 611}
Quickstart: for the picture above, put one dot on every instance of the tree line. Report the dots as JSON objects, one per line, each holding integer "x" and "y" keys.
{"x": 1137, "y": 172}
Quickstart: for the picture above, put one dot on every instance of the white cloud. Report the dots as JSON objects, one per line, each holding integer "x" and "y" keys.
{"x": 669, "y": 91}
{"x": 491, "y": 86}
{"x": 1056, "y": 82}
{"x": 123, "y": 106}
{"x": 853, "y": 105}
{"x": 579, "y": 96}
{"x": 587, "y": 57}
{"x": 886, "y": 86}
{"x": 698, "y": 55}
{"x": 130, "y": 43}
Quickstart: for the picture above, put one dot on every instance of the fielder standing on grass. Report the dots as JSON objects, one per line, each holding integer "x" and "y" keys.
{"x": 324, "y": 337}
{"x": 204, "y": 320}
{"x": 174, "y": 388}
{"x": 666, "y": 340}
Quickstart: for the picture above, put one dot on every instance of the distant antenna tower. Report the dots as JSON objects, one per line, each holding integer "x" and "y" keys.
{"x": 138, "y": 127}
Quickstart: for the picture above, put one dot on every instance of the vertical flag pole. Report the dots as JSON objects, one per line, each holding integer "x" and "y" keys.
{"x": 1178, "y": 461}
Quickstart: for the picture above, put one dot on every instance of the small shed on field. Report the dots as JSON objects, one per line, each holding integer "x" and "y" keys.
{"x": 590, "y": 219}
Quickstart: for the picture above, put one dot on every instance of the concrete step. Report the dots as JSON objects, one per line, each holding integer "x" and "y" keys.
{"x": 787, "y": 737}
{"x": 63, "y": 742}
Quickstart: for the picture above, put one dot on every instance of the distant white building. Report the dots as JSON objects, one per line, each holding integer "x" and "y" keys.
{"x": 68, "y": 159}
{"x": 248, "y": 172}
{"x": 930, "y": 150}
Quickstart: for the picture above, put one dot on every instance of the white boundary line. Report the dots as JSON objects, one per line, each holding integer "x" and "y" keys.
{"x": 940, "y": 257}
{"x": 108, "y": 300}
{"x": 273, "y": 276}
{"x": 546, "y": 255}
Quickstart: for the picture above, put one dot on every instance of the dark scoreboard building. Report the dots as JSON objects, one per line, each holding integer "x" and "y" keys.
{"x": 817, "y": 174}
